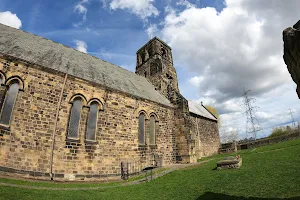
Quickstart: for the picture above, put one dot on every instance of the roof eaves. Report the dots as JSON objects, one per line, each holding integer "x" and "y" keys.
{"x": 201, "y": 116}
{"x": 209, "y": 112}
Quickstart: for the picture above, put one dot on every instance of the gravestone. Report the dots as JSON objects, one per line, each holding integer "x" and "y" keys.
{"x": 230, "y": 162}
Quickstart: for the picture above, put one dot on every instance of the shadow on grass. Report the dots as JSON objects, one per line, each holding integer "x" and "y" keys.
{"x": 216, "y": 196}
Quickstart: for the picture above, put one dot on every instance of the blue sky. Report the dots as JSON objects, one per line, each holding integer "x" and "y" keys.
{"x": 219, "y": 47}
{"x": 118, "y": 32}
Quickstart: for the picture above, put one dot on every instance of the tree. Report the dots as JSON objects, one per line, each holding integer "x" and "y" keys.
{"x": 278, "y": 132}
{"x": 213, "y": 111}
{"x": 228, "y": 136}
{"x": 225, "y": 135}
{"x": 288, "y": 129}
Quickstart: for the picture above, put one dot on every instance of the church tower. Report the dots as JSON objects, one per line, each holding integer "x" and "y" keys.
{"x": 154, "y": 61}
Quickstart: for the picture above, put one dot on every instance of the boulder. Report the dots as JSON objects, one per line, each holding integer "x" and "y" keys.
{"x": 291, "y": 56}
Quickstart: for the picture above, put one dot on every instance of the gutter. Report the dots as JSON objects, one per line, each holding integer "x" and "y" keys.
{"x": 209, "y": 111}
{"x": 55, "y": 126}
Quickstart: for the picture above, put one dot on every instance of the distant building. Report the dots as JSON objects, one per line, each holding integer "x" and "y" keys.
{"x": 66, "y": 114}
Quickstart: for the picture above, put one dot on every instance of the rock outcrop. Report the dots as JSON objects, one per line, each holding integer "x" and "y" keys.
{"x": 291, "y": 38}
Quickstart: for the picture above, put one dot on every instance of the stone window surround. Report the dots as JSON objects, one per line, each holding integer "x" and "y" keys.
{"x": 100, "y": 108}
{"x": 146, "y": 124}
{"x": 86, "y": 104}
{"x": 7, "y": 83}
{"x": 144, "y": 130}
{"x": 2, "y": 78}
{"x": 152, "y": 114}
{"x": 77, "y": 97}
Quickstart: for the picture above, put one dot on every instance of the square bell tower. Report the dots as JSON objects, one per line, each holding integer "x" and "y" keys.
{"x": 154, "y": 61}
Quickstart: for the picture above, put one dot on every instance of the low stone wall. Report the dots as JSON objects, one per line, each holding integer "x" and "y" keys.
{"x": 228, "y": 147}
{"x": 268, "y": 141}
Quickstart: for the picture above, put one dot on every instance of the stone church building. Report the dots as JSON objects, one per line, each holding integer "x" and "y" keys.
{"x": 67, "y": 115}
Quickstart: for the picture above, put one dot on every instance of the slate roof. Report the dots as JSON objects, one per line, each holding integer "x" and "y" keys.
{"x": 44, "y": 52}
{"x": 200, "y": 110}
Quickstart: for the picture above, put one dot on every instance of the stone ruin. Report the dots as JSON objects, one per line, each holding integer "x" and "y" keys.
{"x": 230, "y": 162}
{"x": 291, "y": 38}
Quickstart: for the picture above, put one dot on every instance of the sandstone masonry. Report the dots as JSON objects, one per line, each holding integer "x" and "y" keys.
{"x": 30, "y": 147}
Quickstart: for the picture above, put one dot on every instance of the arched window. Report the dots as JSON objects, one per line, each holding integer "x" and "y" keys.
{"x": 163, "y": 52}
{"x": 92, "y": 121}
{"x": 73, "y": 130}
{"x": 2, "y": 78}
{"x": 152, "y": 130}
{"x": 9, "y": 102}
{"x": 154, "y": 68}
{"x": 142, "y": 128}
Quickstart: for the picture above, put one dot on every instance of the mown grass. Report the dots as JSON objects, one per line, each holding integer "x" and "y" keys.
{"x": 266, "y": 148}
{"x": 57, "y": 184}
{"x": 142, "y": 176}
{"x": 269, "y": 172}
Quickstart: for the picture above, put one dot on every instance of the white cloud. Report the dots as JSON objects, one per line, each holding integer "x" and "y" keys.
{"x": 151, "y": 30}
{"x": 272, "y": 111}
{"x": 185, "y": 3}
{"x": 104, "y": 3}
{"x": 196, "y": 80}
{"x": 81, "y": 46}
{"x": 233, "y": 48}
{"x": 141, "y": 8}
{"x": 82, "y": 10}
{"x": 240, "y": 46}
{"x": 10, "y": 19}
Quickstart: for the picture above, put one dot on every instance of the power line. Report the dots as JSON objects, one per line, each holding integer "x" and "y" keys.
{"x": 252, "y": 125}
{"x": 292, "y": 117}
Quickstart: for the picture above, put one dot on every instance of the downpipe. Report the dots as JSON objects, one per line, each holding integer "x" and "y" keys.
{"x": 55, "y": 126}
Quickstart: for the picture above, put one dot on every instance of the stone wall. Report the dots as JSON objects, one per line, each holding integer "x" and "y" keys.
{"x": 183, "y": 139}
{"x": 205, "y": 134}
{"x": 291, "y": 38}
{"x": 154, "y": 61}
{"x": 267, "y": 141}
{"x": 25, "y": 147}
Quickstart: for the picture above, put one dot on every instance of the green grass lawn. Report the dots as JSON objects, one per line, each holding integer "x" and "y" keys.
{"x": 269, "y": 172}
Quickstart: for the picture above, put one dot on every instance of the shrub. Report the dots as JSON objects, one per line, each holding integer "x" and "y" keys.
{"x": 278, "y": 132}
